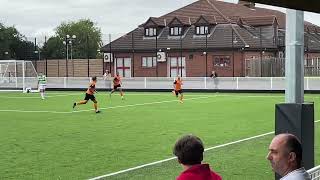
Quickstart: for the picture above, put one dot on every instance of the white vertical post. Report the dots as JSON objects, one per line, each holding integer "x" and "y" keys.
{"x": 15, "y": 73}
{"x": 307, "y": 83}
{"x": 65, "y": 82}
{"x": 237, "y": 82}
{"x": 205, "y": 82}
{"x": 271, "y": 83}
{"x": 23, "y": 76}
{"x": 145, "y": 82}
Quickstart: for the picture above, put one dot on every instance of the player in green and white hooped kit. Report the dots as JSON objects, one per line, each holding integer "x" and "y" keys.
{"x": 42, "y": 83}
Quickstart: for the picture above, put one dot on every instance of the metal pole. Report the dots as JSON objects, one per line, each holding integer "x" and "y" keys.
{"x": 34, "y": 52}
{"x": 260, "y": 52}
{"x": 72, "y": 59}
{"x": 294, "y": 57}
{"x": 206, "y": 53}
{"x": 111, "y": 60}
{"x": 307, "y": 50}
{"x": 232, "y": 34}
{"x": 46, "y": 54}
{"x": 180, "y": 55}
{"x": 26, "y": 49}
{"x": 88, "y": 55}
{"x": 132, "y": 39}
{"x": 156, "y": 54}
{"x": 67, "y": 56}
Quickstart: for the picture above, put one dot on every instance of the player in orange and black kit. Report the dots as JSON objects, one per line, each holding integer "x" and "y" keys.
{"x": 178, "y": 88}
{"x": 90, "y": 95}
{"x": 117, "y": 85}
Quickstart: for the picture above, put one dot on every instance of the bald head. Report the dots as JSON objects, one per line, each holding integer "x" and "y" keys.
{"x": 285, "y": 153}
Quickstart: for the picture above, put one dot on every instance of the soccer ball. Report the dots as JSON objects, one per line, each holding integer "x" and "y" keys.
{"x": 28, "y": 90}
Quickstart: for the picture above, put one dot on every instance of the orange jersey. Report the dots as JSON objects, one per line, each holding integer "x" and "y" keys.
{"x": 117, "y": 80}
{"x": 178, "y": 84}
{"x": 92, "y": 88}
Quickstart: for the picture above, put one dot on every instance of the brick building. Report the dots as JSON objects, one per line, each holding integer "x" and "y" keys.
{"x": 204, "y": 36}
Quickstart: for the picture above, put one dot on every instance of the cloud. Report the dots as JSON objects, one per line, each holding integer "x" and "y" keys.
{"x": 38, "y": 17}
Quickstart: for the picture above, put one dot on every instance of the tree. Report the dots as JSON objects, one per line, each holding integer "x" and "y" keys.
{"x": 87, "y": 41}
{"x": 13, "y": 45}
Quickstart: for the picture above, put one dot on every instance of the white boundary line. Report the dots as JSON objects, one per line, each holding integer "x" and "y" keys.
{"x": 152, "y": 94}
{"x": 172, "y": 158}
{"x": 112, "y": 107}
{"x": 36, "y": 97}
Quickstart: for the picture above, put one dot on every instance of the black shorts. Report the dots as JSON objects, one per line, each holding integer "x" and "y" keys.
{"x": 90, "y": 96}
{"x": 116, "y": 86}
{"x": 178, "y": 92}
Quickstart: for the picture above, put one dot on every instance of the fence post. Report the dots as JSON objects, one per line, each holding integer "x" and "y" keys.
{"x": 271, "y": 83}
{"x": 65, "y": 82}
{"x": 205, "y": 82}
{"x": 307, "y": 83}
{"x": 145, "y": 82}
{"x": 237, "y": 82}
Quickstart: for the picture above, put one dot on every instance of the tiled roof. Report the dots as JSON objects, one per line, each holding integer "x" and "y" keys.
{"x": 259, "y": 20}
{"x": 251, "y": 27}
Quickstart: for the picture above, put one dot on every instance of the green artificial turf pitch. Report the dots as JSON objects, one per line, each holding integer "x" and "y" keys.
{"x": 46, "y": 139}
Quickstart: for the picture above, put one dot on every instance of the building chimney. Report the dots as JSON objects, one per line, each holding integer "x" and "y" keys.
{"x": 247, "y": 4}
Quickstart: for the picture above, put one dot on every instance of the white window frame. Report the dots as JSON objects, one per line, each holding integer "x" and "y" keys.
{"x": 175, "y": 31}
{"x": 150, "y": 32}
{"x": 202, "y": 30}
{"x": 149, "y": 62}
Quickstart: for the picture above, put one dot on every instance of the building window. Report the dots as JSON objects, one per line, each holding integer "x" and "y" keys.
{"x": 202, "y": 30}
{"x": 175, "y": 31}
{"x": 222, "y": 61}
{"x": 177, "y": 66}
{"x": 150, "y": 32}
{"x": 149, "y": 62}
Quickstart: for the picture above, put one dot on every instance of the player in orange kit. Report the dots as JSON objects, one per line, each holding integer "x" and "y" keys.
{"x": 178, "y": 88}
{"x": 90, "y": 95}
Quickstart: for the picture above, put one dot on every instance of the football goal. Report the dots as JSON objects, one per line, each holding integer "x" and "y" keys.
{"x": 17, "y": 75}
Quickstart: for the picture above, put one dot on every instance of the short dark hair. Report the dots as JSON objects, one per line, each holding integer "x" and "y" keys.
{"x": 94, "y": 78}
{"x": 294, "y": 145}
{"x": 189, "y": 150}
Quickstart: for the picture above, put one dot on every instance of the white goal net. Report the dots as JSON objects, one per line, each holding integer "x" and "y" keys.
{"x": 17, "y": 75}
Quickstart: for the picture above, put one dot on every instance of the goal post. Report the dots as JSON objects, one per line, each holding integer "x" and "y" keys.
{"x": 17, "y": 75}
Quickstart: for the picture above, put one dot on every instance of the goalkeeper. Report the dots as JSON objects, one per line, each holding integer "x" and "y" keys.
{"x": 42, "y": 83}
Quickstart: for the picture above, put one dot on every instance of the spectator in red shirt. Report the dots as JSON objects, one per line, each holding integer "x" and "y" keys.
{"x": 189, "y": 151}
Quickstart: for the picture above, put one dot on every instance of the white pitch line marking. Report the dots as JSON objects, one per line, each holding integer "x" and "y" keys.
{"x": 172, "y": 158}
{"x": 112, "y": 107}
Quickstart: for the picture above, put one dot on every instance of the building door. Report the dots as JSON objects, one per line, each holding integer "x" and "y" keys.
{"x": 177, "y": 66}
{"x": 123, "y": 66}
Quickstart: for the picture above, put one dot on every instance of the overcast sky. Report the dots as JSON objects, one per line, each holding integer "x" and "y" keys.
{"x": 41, "y": 17}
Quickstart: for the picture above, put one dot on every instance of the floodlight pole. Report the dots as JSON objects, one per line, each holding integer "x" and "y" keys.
{"x": 111, "y": 56}
{"x": 65, "y": 42}
{"x": 260, "y": 31}
{"x": 46, "y": 54}
{"x": 206, "y": 53}
{"x": 294, "y": 57}
{"x": 232, "y": 43}
{"x": 180, "y": 54}
{"x": 132, "y": 39}
{"x": 156, "y": 54}
{"x": 296, "y": 116}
